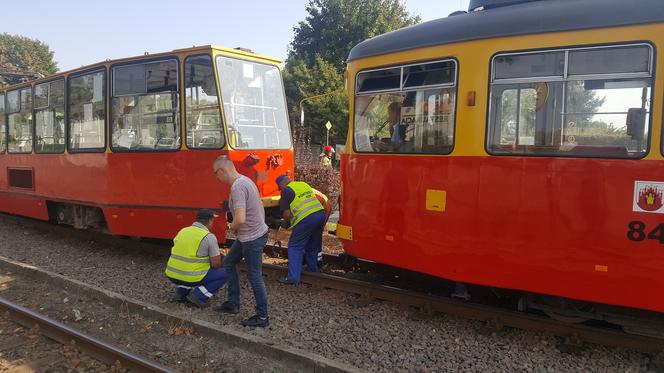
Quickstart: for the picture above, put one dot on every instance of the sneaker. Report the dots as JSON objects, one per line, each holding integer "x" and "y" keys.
{"x": 227, "y": 307}
{"x": 193, "y": 299}
{"x": 286, "y": 281}
{"x": 257, "y": 321}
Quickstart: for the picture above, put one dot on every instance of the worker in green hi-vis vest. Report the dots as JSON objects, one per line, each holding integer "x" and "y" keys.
{"x": 195, "y": 262}
{"x": 305, "y": 216}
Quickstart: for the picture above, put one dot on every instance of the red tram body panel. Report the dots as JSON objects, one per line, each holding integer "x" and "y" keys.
{"x": 181, "y": 183}
{"x": 551, "y": 226}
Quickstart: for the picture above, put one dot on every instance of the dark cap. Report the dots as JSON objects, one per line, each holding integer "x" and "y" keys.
{"x": 205, "y": 214}
{"x": 282, "y": 178}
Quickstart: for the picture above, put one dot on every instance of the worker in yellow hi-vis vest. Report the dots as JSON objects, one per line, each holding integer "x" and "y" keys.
{"x": 305, "y": 215}
{"x": 195, "y": 262}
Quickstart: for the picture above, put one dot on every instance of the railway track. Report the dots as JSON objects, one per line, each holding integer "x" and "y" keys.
{"x": 100, "y": 350}
{"x": 498, "y": 318}
{"x": 494, "y": 317}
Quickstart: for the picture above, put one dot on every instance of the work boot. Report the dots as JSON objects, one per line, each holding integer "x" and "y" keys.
{"x": 286, "y": 281}
{"x": 227, "y": 307}
{"x": 193, "y": 299}
{"x": 177, "y": 298}
{"x": 257, "y": 321}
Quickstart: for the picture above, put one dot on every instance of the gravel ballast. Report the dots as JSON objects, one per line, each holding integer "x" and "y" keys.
{"x": 376, "y": 337}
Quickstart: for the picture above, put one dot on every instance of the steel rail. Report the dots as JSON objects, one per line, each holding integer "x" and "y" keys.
{"x": 88, "y": 344}
{"x": 495, "y": 317}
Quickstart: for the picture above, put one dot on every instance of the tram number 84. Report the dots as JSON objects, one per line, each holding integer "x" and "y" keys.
{"x": 637, "y": 232}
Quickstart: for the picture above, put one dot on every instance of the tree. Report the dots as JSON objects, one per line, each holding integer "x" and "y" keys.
{"x": 317, "y": 55}
{"x": 20, "y": 57}
{"x": 304, "y": 81}
{"x": 334, "y": 27}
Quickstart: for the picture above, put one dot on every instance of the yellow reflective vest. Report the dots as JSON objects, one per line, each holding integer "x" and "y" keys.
{"x": 305, "y": 202}
{"x": 183, "y": 264}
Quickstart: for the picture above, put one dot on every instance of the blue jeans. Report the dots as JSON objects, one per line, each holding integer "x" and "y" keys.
{"x": 204, "y": 289}
{"x": 305, "y": 241}
{"x": 252, "y": 251}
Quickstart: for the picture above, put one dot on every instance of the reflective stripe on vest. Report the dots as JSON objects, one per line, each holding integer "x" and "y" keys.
{"x": 305, "y": 202}
{"x": 183, "y": 264}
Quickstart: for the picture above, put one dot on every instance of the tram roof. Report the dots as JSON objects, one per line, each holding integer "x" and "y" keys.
{"x": 529, "y": 18}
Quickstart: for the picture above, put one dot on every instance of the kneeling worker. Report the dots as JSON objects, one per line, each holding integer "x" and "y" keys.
{"x": 195, "y": 262}
{"x": 306, "y": 216}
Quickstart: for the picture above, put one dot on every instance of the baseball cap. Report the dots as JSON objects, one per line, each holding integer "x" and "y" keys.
{"x": 205, "y": 214}
{"x": 281, "y": 178}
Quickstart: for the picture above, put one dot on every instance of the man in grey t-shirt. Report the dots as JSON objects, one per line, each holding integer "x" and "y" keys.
{"x": 251, "y": 236}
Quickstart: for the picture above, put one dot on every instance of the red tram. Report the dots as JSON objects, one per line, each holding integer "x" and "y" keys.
{"x": 516, "y": 146}
{"x": 128, "y": 145}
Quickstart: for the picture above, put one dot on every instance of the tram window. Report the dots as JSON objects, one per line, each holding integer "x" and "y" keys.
{"x": 87, "y": 112}
{"x": 20, "y": 124}
{"x": 50, "y": 117}
{"x": 254, "y": 104}
{"x": 633, "y": 59}
{"x": 418, "y": 118}
{"x": 3, "y": 128}
{"x": 568, "y": 116}
{"x": 145, "y": 112}
{"x": 379, "y": 80}
{"x": 13, "y": 102}
{"x": 428, "y": 74}
{"x": 529, "y": 65}
{"x": 203, "y": 121}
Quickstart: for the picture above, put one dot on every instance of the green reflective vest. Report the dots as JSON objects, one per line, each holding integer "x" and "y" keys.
{"x": 305, "y": 202}
{"x": 183, "y": 264}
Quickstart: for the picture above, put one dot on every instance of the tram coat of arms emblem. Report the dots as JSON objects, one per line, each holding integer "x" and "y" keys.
{"x": 648, "y": 197}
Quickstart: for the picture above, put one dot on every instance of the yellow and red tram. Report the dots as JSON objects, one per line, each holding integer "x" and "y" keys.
{"x": 128, "y": 145}
{"x": 517, "y": 146}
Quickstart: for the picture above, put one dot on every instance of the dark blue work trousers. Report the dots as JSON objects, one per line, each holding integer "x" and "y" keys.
{"x": 306, "y": 242}
{"x": 214, "y": 280}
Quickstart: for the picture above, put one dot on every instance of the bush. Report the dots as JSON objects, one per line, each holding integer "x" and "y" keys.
{"x": 325, "y": 179}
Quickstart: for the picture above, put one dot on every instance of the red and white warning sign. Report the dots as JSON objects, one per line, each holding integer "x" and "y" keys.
{"x": 648, "y": 197}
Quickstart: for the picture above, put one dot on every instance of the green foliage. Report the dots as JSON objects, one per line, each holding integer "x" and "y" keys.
{"x": 18, "y": 53}
{"x": 304, "y": 81}
{"x": 316, "y": 60}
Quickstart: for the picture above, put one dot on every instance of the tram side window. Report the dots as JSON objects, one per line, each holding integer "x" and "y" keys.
{"x": 50, "y": 117}
{"x": 597, "y": 103}
{"x": 87, "y": 112}
{"x": 146, "y": 107}
{"x": 412, "y": 113}
{"x": 19, "y": 121}
{"x": 204, "y": 128}
{"x": 3, "y": 128}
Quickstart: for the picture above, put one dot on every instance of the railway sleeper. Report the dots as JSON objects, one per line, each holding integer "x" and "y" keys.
{"x": 77, "y": 216}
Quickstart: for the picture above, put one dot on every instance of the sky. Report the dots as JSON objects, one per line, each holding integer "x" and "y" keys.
{"x": 85, "y": 32}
